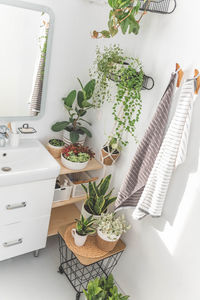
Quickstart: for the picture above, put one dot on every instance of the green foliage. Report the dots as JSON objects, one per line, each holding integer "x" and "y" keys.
{"x": 97, "y": 200}
{"x": 85, "y": 226}
{"x": 56, "y": 142}
{"x": 113, "y": 69}
{"x": 77, "y": 153}
{"x": 103, "y": 289}
{"x": 77, "y": 111}
{"x": 122, "y": 15}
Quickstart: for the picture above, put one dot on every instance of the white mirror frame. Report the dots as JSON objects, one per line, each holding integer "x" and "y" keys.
{"x": 36, "y": 7}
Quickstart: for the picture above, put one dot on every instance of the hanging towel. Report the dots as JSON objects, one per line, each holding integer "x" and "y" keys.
{"x": 172, "y": 153}
{"x": 147, "y": 151}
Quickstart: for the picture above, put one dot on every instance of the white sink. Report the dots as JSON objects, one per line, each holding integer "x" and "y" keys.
{"x": 27, "y": 163}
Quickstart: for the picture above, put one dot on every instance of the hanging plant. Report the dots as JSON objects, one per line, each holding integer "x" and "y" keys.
{"x": 112, "y": 65}
{"x": 124, "y": 14}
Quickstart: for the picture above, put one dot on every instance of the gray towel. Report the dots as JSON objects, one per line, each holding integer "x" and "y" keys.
{"x": 143, "y": 161}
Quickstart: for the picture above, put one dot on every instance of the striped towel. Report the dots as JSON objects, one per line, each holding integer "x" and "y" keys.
{"x": 172, "y": 153}
{"x": 147, "y": 151}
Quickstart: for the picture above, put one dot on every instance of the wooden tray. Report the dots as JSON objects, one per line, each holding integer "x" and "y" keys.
{"x": 89, "y": 249}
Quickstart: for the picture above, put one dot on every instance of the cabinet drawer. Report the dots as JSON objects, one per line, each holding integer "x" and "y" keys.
{"x": 20, "y": 238}
{"x": 26, "y": 201}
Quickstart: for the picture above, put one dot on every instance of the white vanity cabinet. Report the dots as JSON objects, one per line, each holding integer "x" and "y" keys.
{"x": 24, "y": 217}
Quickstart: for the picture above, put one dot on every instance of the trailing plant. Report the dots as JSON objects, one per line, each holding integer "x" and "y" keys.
{"x": 103, "y": 289}
{"x": 97, "y": 200}
{"x": 124, "y": 14}
{"x": 77, "y": 153}
{"x": 127, "y": 74}
{"x": 85, "y": 226}
{"x": 112, "y": 225}
{"x": 56, "y": 142}
{"x": 77, "y": 111}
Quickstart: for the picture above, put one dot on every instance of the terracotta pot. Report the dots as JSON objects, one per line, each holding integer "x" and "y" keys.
{"x": 73, "y": 165}
{"x": 55, "y": 151}
{"x": 106, "y": 157}
{"x": 66, "y": 138}
{"x": 104, "y": 243}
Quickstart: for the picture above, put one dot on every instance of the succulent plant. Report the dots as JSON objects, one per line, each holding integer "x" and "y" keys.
{"x": 97, "y": 200}
{"x": 85, "y": 226}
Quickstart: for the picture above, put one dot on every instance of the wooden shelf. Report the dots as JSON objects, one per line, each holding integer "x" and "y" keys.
{"x": 92, "y": 165}
{"x": 62, "y": 216}
{"x": 68, "y": 202}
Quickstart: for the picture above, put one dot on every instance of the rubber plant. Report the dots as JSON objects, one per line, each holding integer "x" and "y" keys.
{"x": 124, "y": 14}
{"x": 113, "y": 67}
{"x": 77, "y": 111}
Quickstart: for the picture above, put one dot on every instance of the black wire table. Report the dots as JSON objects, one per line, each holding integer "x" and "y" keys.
{"x": 80, "y": 270}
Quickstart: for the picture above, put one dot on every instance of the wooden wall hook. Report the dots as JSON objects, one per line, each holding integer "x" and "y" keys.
{"x": 180, "y": 74}
{"x": 196, "y": 73}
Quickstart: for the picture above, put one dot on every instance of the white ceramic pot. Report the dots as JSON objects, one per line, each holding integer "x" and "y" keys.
{"x": 79, "y": 240}
{"x": 73, "y": 165}
{"x": 86, "y": 214}
{"x": 66, "y": 138}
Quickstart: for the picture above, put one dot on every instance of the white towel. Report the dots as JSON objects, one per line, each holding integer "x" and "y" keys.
{"x": 172, "y": 153}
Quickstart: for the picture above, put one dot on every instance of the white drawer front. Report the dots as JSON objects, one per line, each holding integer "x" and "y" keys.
{"x": 26, "y": 201}
{"x": 20, "y": 238}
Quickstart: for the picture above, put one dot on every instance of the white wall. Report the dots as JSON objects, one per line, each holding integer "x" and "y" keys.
{"x": 162, "y": 257}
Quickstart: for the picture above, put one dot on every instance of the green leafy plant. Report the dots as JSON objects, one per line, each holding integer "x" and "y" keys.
{"x": 77, "y": 111}
{"x": 112, "y": 66}
{"x": 97, "y": 200}
{"x": 112, "y": 225}
{"x": 85, "y": 226}
{"x": 77, "y": 153}
{"x": 103, "y": 289}
{"x": 56, "y": 142}
{"x": 123, "y": 14}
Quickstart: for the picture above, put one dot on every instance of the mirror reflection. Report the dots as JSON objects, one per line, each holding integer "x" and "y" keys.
{"x": 24, "y": 35}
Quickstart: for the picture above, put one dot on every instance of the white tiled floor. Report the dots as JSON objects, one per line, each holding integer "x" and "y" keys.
{"x": 28, "y": 278}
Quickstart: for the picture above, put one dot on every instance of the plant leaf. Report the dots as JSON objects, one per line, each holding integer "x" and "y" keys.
{"x": 58, "y": 126}
{"x": 69, "y": 100}
{"x": 74, "y": 136}
{"x": 86, "y": 131}
{"x": 80, "y": 99}
{"x": 89, "y": 88}
{"x": 105, "y": 185}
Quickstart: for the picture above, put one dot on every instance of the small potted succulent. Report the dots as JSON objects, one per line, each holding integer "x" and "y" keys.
{"x": 109, "y": 230}
{"x": 76, "y": 156}
{"x": 84, "y": 227}
{"x": 73, "y": 129}
{"x": 98, "y": 199}
{"x": 55, "y": 147}
{"x": 111, "y": 151}
{"x": 103, "y": 288}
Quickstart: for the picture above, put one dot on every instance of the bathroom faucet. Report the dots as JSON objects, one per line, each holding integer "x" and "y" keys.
{"x": 3, "y": 135}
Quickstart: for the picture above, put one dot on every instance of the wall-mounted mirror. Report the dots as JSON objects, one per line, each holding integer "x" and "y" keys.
{"x": 25, "y": 32}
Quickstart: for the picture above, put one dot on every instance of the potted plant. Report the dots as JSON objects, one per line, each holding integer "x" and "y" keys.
{"x": 73, "y": 130}
{"x": 112, "y": 66}
{"x": 110, "y": 151}
{"x": 124, "y": 14}
{"x": 109, "y": 230}
{"x": 76, "y": 156}
{"x": 55, "y": 147}
{"x": 84, "y": 227}
{"x": 98, "y": 199}
{"x": 103, "y": 288}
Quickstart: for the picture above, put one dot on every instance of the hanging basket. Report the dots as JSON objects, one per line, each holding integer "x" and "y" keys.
{"x": 108, "y": 157}
{"x": 159, "y": 6}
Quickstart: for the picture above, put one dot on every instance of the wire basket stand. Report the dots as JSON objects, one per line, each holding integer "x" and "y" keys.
{"x": 78, "y": 274}
{"x": 159, "y": 6}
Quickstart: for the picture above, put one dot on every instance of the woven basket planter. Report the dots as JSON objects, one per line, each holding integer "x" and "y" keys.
{"x": 104, "y": 243}
{"x": 108, "y": 158}
{"x": 55, "y": 151}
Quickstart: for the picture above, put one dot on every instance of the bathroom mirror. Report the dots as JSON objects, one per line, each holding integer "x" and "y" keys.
{"x": 26, "y": 33}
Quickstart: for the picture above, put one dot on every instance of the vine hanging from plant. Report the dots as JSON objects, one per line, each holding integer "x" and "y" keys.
{"x": 111, "y": 65}
{"x": 123, "y": 15}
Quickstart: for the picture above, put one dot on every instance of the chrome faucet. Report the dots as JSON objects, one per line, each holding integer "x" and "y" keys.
{"x": 3, "y": 135}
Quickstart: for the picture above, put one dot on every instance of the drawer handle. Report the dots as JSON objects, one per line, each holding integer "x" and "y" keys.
{"x": 15, "y": 206}
{"x": 13, "y": 243}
